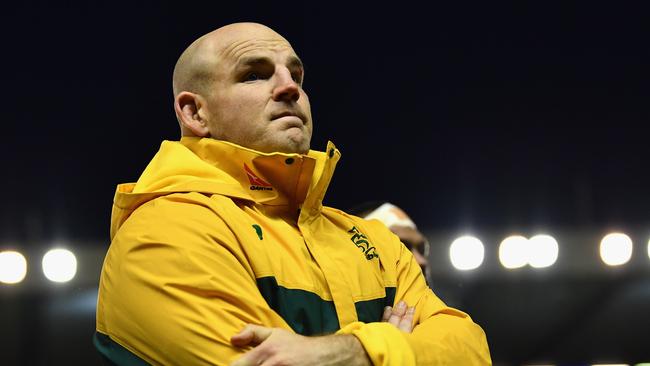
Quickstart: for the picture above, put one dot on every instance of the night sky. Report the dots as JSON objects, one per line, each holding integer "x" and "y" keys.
{"x": 489, "y": 116}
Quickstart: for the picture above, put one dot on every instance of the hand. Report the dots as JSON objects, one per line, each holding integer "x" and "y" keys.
{"x": 275, "y": 346}
{"x": 400, "y": 316}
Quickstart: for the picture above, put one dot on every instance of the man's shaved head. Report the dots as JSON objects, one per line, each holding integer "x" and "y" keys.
{"x": 242, "y": 83}
{"x": 194, "y": 69}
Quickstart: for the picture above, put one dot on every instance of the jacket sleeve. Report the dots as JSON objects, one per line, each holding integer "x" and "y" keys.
{"x": 176, "y": 286}
{"x": 442, "y": 335}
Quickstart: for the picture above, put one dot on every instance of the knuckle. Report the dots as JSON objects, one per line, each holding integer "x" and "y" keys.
{"x": 272, "y": 349}
{"x": 278, "y": 360}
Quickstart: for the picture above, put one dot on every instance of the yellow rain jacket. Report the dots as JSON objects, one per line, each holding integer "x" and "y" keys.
{"x": 214, "y": 236}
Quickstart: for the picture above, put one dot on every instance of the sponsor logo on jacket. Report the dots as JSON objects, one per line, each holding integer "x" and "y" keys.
{"x": 361, "y": 241}
{"x": 257, "y": 183}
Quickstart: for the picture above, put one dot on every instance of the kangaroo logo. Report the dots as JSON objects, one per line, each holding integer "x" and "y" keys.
{"x": 361, "y": 241}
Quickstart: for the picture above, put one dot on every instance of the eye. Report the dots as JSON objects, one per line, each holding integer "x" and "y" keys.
{"x": 297, "y": 77}
{"x": 252, "y": 77}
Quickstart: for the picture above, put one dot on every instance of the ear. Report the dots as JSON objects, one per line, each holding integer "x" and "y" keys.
{"x": 187, "y": 106}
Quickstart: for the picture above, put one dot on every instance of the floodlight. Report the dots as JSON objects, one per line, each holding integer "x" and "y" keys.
{"x": 59, "y": 265}
{"x": 13, "y": 267}
{"x": 543, "y": 251}
{"x": 616, "y": 249}
{"x": 513, "y": 252}
{"x": 466, "y": 253}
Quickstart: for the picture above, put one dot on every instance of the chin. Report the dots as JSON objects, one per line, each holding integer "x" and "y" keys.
{"x": 295, "y": 143}
{"x": 303, "y": 151}
{"x": 295, "y": 147}
{"x": 286, "y": 147}
{"x": 287, "y": 143}
{"x": 300, "y": 149}
{"x": 303, "y": 147}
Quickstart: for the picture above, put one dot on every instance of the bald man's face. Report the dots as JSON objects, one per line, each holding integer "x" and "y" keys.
{"x": 255, "y": 98}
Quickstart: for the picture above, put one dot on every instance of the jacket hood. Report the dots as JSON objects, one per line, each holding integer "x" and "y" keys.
{"x": 210, "y": 166}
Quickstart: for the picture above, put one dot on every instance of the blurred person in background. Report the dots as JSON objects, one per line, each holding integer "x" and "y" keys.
{"x": 223, "y": 253}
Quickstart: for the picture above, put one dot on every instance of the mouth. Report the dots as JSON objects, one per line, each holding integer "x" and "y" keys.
{"x": 289, "y": 115}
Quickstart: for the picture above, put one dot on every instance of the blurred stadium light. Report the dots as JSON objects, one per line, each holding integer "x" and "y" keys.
{"x": 13, "y": 267}
{"x": 513, "y": 252}
{"x": 466, "y": 253}
{"x": 543, "y": 251}
{"x": 59, "y": 265}
{"x": 616, "y": 249}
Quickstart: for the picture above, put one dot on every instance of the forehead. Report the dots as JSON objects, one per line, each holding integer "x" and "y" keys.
{"x": 236, "y": 50}
{"x": 232, "y": 49}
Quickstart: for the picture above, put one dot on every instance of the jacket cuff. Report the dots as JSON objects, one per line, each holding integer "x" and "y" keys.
{"x": 384, "y": 344}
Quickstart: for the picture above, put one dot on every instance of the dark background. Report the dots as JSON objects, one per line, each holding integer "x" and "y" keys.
{"x": 483, "y": 117}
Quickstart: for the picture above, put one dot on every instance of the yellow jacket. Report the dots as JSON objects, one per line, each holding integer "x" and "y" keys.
{"x": 214, "y": 236}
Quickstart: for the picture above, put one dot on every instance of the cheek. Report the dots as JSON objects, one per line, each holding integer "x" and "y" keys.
{"x": 304, "y": 104}
{"x": 304, "y": 97}
{"x": 247, "y": 104}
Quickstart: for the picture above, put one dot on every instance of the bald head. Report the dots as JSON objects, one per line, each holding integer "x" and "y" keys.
{"x": 194, "y": 69}
{"x": 242, "y": 83}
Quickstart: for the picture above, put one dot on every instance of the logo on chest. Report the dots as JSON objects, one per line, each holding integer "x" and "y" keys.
{"x": 361, "y": 241}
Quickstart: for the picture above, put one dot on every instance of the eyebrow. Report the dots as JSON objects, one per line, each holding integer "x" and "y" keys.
{"x": 294, "y": 61}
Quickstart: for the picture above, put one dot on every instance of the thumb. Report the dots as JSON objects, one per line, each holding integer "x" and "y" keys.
{"x": 251, "y": 335}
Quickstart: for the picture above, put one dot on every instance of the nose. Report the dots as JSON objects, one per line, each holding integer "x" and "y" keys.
{"x": 286, "y": 89}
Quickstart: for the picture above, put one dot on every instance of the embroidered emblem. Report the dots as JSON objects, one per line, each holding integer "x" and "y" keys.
{"x": 258, "y": 231}
{"x": 361, "y": 241}
{"x": 257, "y": 183}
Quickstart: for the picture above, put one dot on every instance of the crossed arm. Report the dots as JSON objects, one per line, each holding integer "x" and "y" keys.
{"x": 276, "y": 346}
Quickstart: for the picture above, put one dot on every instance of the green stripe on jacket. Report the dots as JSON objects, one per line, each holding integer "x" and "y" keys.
{"x": 114, "y": 354}
{"x": 308, "y": 314}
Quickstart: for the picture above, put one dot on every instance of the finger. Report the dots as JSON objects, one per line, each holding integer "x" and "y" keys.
{"x": 251, "y": 335}
{"x": 253, "y": 357}
{"x": 243, "y": 338}
{"x": 400, "y": 309}
{"x": 406, "y": 323}
{"x": 387, "y": 313}
{"x": 249, "y": 359}
{"x": 394, "y": 320}
{"x": 397, "y": 314}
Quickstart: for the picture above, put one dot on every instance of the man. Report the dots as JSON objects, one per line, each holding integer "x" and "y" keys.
{"x": 397, "y": 221}
{"x": 222, "y": 252}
